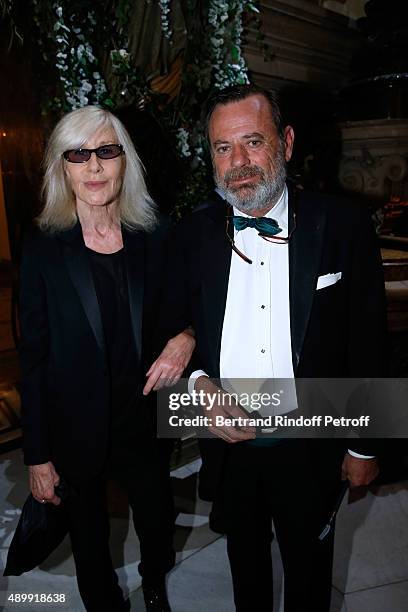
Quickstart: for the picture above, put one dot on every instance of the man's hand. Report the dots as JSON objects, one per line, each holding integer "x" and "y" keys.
{"x": 43, "y": 479}
{"x": 227, "y": 408}
{"x": 359, "y": 472}
{"x": 171, "y": 363}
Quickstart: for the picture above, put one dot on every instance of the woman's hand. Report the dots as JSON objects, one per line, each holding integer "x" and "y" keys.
{"x": 43, "y": 479}
{"x": 173, "y": 360}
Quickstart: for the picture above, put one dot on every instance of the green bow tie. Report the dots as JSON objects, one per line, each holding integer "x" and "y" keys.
{"x": 268, "y": 227}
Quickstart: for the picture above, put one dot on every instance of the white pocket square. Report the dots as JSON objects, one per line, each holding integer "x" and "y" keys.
{"x": 328, "y": 279}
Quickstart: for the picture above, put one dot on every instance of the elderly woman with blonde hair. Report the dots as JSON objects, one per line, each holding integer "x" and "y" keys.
{"x": 90, "y": 286}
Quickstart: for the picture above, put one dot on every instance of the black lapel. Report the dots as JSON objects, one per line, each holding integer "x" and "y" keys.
{"x": 135, "y": 246}
{"x": 215, "y": 253}
{"x": 304, "y": 261}
{"x": 77, "y": 262}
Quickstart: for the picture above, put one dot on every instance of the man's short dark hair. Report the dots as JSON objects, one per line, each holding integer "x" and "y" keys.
{"x": 235, "y": 93}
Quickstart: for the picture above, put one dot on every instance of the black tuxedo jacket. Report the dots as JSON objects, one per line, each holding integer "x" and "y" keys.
{"x": 65, "y": 379}
{"x": 336, "y": 331}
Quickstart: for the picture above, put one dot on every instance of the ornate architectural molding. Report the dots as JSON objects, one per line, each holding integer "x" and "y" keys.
{"x": 348, "y": 8}
{"x": 309, "y": 45}
{"x": 375, "y": 154}
{"x": 369, "y": 176}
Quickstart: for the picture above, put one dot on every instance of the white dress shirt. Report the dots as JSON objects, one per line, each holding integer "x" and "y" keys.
{"x": 256, "y": 335}
{"x": 256, "y": 340}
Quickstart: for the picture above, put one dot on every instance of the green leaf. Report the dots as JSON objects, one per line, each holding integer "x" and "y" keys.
{"x": 251, "y": 7}
{"x": 234, "y": 54}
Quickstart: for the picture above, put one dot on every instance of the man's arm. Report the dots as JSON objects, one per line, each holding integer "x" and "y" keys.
{"x": 368, "y": 338}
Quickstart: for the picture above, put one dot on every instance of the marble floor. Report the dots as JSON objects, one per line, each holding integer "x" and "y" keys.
{"x": 371, "y": 555}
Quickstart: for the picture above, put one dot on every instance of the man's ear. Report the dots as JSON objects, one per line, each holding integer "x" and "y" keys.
{"x": 289, "y": 138}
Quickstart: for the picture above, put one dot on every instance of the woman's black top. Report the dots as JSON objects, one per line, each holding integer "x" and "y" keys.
{"x": 109, "y": 274}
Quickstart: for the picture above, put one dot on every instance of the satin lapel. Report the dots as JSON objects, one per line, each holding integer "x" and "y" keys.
{"x": 215, "y": 253}
{"x": 77, "y": 262}
{"x": 135, "y": 245}
{"x": 304, "y": 261}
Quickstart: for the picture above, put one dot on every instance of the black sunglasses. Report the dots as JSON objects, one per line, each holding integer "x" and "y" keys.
{"x": 80, "y": 156}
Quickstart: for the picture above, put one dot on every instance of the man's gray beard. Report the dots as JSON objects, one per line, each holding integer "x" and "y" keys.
{"x": 262, "y": 196}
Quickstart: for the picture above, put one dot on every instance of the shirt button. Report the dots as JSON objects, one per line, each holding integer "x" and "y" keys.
{"x": 263, "y": 306}
{"x": 262, "y": 350}
{"x": 262, "y": 263}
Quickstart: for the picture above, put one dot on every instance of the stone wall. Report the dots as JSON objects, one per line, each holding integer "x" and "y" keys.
{"x": 309, "y": 43}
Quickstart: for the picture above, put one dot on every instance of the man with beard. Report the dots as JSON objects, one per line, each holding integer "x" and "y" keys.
{"x": 277, "y": 283}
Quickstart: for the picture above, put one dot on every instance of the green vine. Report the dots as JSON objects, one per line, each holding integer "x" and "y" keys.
{"x": 86, "y": 60}
{"x": 213, "y": 60}
{"x": 7, "y": 13}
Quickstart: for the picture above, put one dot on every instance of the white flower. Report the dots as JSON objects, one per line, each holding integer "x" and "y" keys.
{"x": 164, "y": 17}
{"x": 182, "y": 142}
{"x": 91, "y": 18}
{"x": 224, "y": 28}
{"x": 89, "y": 53}
{"x": 86, "y": 86}
{"x": 100, "y": 89}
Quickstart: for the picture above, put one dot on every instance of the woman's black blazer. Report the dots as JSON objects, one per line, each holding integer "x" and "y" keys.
{"x": 65, "y": 379}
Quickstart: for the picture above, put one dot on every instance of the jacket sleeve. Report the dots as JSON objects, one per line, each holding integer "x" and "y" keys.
{"x": 34, "y": 356}
{"x": 367, "y": 320}
{"x": 367, "y": 307}
{"x": 174, "y": 312}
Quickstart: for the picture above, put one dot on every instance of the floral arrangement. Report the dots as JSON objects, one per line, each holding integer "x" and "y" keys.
{"x": 165, "y": 22}
{"x": 223, "y": 16}
{"x": 76, "y": 61}
{"x": 88, "y": 61}
{"x": 66, "y": 35}
{"x": 213, "y": 60}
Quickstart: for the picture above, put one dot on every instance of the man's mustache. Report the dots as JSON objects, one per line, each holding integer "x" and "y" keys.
{"x": 235, "y": 174}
